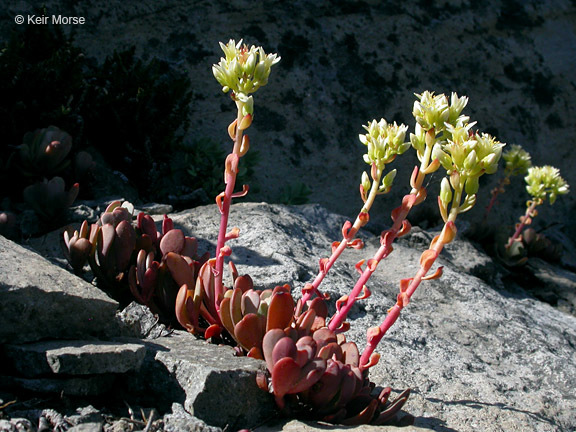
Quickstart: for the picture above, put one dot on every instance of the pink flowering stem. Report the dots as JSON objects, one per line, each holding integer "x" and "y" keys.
{"x": 230, "y": 174}
{"x": 348, "y": 234}
{"x": 495, "y": 192}
{"x": 526, "y": 220}
{"x": 386, "y": 239}
{"x": 407, "y": 289}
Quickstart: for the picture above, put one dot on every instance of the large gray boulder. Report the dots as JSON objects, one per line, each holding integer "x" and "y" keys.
{"x": 39, "y": 300}
{"x": 476, "y": 356}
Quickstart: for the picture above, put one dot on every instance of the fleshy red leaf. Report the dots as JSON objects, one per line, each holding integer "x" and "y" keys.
{"x": 249, "y": 332}
{"x": 268, "y": 343}
{"x": 172, "y": 241}
{"x": 281, "y": 310}
{"x": 180, "y": 270}
{"x": 285, "y": 347}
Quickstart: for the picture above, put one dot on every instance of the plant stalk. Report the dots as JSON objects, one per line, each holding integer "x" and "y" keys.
{"x": 230, "y": 179}
{"x": 426, "y": 261}
{"x": 358, "y": 223}
{"x": 525, "y": 221}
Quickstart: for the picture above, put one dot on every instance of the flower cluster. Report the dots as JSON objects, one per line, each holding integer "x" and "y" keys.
{"x": 433, "y": 111}
{"x": 434, "y": 114}
{"x": 545, "y": 182}
{"x": 384, "y": 142}
{"x": 243, "y": 70}
{"x": 466, "y": 156}
{"x": 517, "y": 160}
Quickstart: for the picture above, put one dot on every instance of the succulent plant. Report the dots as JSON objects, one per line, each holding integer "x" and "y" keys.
{"x": 123, "y": 258}
{"x": 80, "y": 244}
{"x": 528, "y": 244}
{"x": 44, "y": 151}
{"x": 243, "y": 313}
{"x": 542, "y": 183}
{"x": 156, "y": 283}
{"x": 49, "y": 199}
{"x": 314, "y": 373}
{"x": 537, "y": 244}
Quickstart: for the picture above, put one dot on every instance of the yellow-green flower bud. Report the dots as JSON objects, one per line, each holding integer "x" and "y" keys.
{"x": 487, "y": 145}
{"x": 472, "y": 185}
{"x": 545, "y": 182}
{"x": 387, "y": 182}
{"x": 247, "y": 103}
{"x": 471, "y": 161}
{"x": 366, "y": 182}
{"x": 418, "y": 140}
{"x": 456, "y": 106}
{"x": 443, "y": 157}
{"x": 445, "y": 192}
{"x": 455, "y": 180}
{"x": 517, "y": 160}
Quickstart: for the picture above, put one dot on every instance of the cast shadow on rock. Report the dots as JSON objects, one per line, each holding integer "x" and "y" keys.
{"x": 39, "y": 315}
{"x": 479, "y": 405}
{"x": 153, "y": 385}
{"x": 247, "y": 256}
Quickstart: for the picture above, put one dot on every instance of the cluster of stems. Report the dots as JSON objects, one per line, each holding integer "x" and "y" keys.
{"x": 443, "y": 138}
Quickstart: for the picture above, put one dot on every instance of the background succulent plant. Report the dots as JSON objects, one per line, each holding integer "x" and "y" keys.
{"x": 50, "y": 199}
{"x": 44, "y": 151}
{"x": 134, "y": 261}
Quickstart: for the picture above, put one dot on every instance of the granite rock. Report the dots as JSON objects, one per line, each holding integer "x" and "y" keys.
{"x": 42, "y": 301}
{"x": 476, "y": 356}
{"x": 75, "y": 357}
{"x": 220, "y": 389}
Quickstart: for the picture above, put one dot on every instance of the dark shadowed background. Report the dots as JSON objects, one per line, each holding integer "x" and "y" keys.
{"x": 345, "y": 63}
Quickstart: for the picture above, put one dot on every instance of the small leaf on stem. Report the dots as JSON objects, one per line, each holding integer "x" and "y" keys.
{"x": 405, "y": 229}
{"x": 335, "y": 245}
{"x": 372, "y": 264}
{"x": 232, "y": 129}
{"x": 245, "y": 146}
{"x": 364, "y": 218}
{"x": 225, "y": 251}
{"x": 359, "y": 265}
{"x": 356, "y": 244}
{"x": 404, "y": 284}
{"x": 365, "y": 293}
{"x": 243, "y": 193}
{"x": 341, "y": 302}
{"x": 232, "y": 234}
{"x": 323, "y": 262}
{"x": 245, "y": 122}
{"x": 345, "y": 229}
{"x": 219, "y": 199}
{"x": 437, "y": 274}
{"x": 427, "y": 258}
